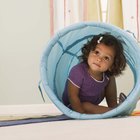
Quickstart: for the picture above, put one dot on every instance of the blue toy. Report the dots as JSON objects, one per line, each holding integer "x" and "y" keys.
{"x": 62, "y": 53}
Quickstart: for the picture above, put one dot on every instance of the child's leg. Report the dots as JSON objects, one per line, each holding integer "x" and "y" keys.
{"x": 122, "y": 98}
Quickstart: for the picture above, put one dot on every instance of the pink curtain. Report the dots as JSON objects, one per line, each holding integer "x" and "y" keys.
{"x": 138, "y": 19}
{"x": 66, "y": 12}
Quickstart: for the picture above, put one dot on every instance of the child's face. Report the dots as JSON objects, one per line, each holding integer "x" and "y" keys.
{"x": 101, "y": 59}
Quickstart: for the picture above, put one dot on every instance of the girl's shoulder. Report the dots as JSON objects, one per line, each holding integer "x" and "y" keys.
{"x": 77, "y": 74}
{"x": 80, "y": 67}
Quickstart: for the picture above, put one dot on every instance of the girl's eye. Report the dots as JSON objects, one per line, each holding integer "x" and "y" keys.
{"x": 106, "y": 58}
{"x": 96, "y": 52}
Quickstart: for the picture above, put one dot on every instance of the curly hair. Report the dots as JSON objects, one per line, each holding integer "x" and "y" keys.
{"x": 110, "y": 41}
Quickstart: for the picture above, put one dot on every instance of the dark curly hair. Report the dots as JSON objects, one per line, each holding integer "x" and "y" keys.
{"x": 110, "y": 41}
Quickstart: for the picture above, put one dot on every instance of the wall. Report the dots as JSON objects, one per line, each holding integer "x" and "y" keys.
{"x": 24, "y": 31}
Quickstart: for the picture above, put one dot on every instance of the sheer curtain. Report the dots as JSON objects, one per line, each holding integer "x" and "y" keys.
{"x": 131, "y": 16}
{"x": 138, "y": 19}
{"x": 114, "y": 13}
{"x": 92, "y": 10}
{"x": 66, "y": 12}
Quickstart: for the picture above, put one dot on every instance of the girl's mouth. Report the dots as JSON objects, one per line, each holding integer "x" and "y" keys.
{"x": 96, "y": 65}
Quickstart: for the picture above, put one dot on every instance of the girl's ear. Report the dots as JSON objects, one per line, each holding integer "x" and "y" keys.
{"x": 110, "y": 69}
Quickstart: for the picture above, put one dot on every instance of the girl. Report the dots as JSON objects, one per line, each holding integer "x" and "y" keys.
{"x": 93, "y": 79}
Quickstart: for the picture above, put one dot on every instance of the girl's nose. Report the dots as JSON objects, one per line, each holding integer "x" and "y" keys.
{"x": 99, "y": 59}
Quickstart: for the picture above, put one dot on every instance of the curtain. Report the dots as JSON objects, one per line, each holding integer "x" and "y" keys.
{"x": 114, "y": 13}
{"x": 66, "y": 12}
{"x": 92, "y": 10}
{"x": 72, "y": 11}
{"x": 138, "y": 19}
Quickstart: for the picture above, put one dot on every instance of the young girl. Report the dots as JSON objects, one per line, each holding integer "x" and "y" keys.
{"x": 93, "y": 79}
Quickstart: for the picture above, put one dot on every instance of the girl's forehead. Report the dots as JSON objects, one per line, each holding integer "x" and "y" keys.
{"x": 107, "y": 50}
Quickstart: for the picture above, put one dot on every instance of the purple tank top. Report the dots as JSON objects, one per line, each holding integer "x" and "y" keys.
{"x": 91, "y": 90}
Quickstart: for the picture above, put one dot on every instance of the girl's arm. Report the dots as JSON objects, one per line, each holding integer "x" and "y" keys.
{"x": 95, "y": 109}
{"x": 111, "y": 93}
{"x": 73, "y": 93}
{"x": 85, "y": 107}
{"x": 111, "y": 98}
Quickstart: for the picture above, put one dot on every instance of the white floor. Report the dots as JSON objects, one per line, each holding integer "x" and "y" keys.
{"x": 126, "y": 128}
{"x": 107, "y": 129}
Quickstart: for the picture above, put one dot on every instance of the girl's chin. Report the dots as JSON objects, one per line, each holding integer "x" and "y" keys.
{"x": 95, "y": 70}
